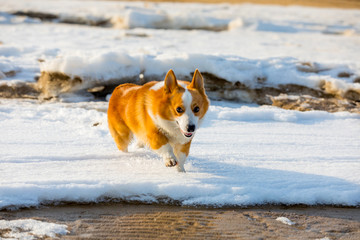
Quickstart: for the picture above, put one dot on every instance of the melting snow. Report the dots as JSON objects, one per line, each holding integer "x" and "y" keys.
{"x": 285, "y": 220}
{"x": 28, "y": 229}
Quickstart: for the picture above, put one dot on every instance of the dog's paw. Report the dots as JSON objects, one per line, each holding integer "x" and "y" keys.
{"x": 170, "y": 162}
{"x": 180, "y": 168}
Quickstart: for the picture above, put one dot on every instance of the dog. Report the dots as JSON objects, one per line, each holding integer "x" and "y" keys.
{"x": 162, "y": 115}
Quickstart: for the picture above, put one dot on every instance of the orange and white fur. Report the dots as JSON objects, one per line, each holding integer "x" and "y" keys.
{"x": 162, "y": 115}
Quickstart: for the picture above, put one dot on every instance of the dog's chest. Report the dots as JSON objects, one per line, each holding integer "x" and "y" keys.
{"x": 170, "y": 129}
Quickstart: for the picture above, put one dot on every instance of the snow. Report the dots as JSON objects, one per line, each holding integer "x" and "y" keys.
{"x": 121, "y": 65}
{"x": 27, "y": 229}
{"x": 243, "y": 155}
{"x": 285, "y": 220}
{"x": 268, "y": 42}
{"x": 53, "y": 152}
{"x": 193, "y": 15}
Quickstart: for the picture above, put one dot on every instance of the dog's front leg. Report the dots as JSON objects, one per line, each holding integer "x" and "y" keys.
{"x": 167, "y": 153}
{"x": 160, "y": 144}
{"x": 181, "y": 153}
{"x": 181, "y": 161}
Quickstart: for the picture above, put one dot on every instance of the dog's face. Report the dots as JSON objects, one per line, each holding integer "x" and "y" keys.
{"x": 188, "y": 102}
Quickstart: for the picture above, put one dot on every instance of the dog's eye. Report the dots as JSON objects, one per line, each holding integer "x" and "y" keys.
{"x": 179, "y": 110}
{"x": 196, "y": 109}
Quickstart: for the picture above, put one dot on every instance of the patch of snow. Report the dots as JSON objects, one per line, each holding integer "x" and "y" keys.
{"x": 285, "y": 220}
{"x": 31, "y": 229}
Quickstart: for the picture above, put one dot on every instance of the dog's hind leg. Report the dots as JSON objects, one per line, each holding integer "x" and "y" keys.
{"x": 121, "y": 134}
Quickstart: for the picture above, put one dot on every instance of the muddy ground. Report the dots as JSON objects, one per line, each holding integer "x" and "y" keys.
{"x": 134, "y": 221}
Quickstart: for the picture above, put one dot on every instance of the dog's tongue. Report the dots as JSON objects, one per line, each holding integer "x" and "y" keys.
{"x": 188, "y": 134}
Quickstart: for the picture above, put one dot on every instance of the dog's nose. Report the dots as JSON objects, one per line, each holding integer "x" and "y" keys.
{"x": 191, "y": 128}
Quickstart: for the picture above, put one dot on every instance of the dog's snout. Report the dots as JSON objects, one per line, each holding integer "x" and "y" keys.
{"x": 191, "y": 128}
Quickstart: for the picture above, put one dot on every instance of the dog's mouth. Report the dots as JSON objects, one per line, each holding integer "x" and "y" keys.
{"x": 186, "y": 134}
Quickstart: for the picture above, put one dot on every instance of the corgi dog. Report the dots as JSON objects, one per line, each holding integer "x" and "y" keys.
{"x": 161, "y": 115}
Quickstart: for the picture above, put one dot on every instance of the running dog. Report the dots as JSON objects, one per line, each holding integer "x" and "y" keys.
{"x": 162, "y": 115}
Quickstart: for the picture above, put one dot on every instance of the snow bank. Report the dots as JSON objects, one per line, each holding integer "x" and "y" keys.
{"x": 246, "y": 158}
{"x": 113, "y": 68}
{"x": 266, "y": 46}
{"x": 31, "y": 229}
{"x": 147, "y": 18}
{"x": 195, "y": 16}
{"x": 266, "y": 113}
{"x": 233, "y": 68}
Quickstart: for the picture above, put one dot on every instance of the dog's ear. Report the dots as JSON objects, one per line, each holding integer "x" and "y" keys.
{"x": 170, "y": 82}
{"x": 197, "y": 82}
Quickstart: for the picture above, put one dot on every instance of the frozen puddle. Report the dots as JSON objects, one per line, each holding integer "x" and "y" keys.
{"x": 27, "y": 229}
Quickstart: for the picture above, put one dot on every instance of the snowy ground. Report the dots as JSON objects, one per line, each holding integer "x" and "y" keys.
{"x": 267, "y": 42}
{"x": 28, "y": 229}
{"x": 244, "y": 154}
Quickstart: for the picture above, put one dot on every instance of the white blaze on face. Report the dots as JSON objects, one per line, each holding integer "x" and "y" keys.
{"x": 188, "y": 117}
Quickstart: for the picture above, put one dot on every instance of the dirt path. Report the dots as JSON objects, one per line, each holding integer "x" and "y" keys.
{"x": 130, "y": 221}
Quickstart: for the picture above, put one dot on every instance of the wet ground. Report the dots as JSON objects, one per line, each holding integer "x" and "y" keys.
{"x": 133, "y": 221}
